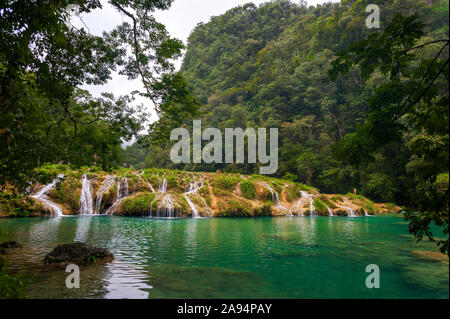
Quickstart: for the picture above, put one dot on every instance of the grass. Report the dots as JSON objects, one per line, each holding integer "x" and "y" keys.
{"x": 320, "y": 207}
{"x": 364, "y": 202}
{"x": 228, "y": 182}
{"x": 248, "y": 189}
{"x": 327, "y": 201}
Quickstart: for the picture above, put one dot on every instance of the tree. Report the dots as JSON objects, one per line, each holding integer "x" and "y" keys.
{"x": 411, "y": 105}
{"x": 44, "y": 59}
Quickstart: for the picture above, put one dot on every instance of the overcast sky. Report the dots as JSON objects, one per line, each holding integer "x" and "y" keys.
{"x": 180, "y": 20}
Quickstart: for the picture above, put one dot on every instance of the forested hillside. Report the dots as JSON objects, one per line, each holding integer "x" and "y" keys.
{"x": 268, "y": 66}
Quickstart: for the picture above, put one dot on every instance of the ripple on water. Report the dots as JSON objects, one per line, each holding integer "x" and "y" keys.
{"x": 228, "y": 258}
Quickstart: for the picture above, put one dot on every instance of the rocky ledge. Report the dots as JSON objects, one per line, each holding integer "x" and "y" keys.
{"x": 172, "y": 193}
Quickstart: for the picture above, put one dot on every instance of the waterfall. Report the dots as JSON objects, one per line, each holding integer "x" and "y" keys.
{"x": 311, "y": 206}
{"x": 192, "y": 206}
{"x": 166, "y": 208}
{"x": 151, "y": 187}
{"x": 120, "y": 196}
{"x": 309, "y": 196}
{"x": 126, "y": 193}
{"x": 151, "y": 207}
{"x": 276, "y": 199}
{"x": 330, "y": 212}
{"x": 107, "y": 184}
{"x": 351, "y": 213}
{"x": 41, "y": 196}
{"x": 365, "y": 213}
{"x": 193, "y": 188}
{"x": 86, "y": 203}
{"x": 163, "y": 188}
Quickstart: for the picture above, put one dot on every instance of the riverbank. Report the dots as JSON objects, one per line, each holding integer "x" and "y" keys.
{"x": 62, "y": 191}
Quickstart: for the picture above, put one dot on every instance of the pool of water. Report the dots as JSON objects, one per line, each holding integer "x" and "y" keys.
{"x": 284, "y": 257}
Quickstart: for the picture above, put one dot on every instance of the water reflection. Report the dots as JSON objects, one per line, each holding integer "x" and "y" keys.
{"x": 84, "y": 224}
{"x": 126, "y": 281}
{"x": 290, "y": 257}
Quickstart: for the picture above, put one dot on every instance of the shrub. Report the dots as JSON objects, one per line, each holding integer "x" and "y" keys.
{"x": 320, "y": 207}
{"x": 248, "y": 189}
{"x": 290, "y": 177}
{"x": 265, "y": 210}
{"x": 327, "y": 201}
{"x": 228, "y": 182}
{"x": 138, "y": 204}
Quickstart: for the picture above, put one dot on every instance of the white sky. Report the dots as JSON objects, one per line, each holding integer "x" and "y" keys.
{"x": 180, "y": 20}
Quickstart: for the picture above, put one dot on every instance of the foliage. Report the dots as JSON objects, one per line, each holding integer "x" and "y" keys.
{"x": 44, "y": 60}
{"x": 227, "y": 182}
{"x": 320, "y": 207}
{"x": 408, "y": 112}
{"x": 248, "y": 189}
{"x": 138, "y": 204}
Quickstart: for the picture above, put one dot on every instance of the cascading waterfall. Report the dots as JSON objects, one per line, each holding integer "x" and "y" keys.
{"x": 193, "y": 188}
{"x": 311, "y": 206}
{"x": 351, "y": 212}
{"x": 86, "y": 202}
{"x": 166, "y": 208}
{"x": 365, "y": 213}
{"x": 330, "y": 212}
{"x": 41, "y": 196}
{"x": 309, "y": 196}
{"x": 151, "y": 187}
{"x": 276, "y": 199}
{"x": 163, "y": 188}
{"x": 107, "y": 184}
{"x": 120, "y": 196}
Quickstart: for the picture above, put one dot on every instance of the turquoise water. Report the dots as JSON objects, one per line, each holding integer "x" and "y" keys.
{"x": 284, "y": 257}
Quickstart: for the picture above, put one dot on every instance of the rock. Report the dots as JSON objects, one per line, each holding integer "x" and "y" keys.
{"x": 10, "y": 244}
{"x": 2, "y": 262}
{"x": 77, "y": 253}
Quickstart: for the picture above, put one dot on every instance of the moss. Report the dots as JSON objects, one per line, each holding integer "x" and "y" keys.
{"x": 364, "y": 202}
{"x": 327, "y": 202}
{"x": 204, "y": 192}
{"x": 227, "y": 182}
{"x": 68, "y": 192}
{"x": 292, "y": 193}
{"x": 320, "y": 207}
{"x": 390, "y": 205}
{"x": 265, "y": 210}
{"x": 137, "y": 205}
{"x": 337, "y": 198}
{"x": 248, "y": 189}
{"x": 221, "y": 193}
{"x": 234, "y": 208}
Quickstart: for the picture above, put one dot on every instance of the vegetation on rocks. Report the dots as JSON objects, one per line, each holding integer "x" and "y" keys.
{"x": 77, "y": 253}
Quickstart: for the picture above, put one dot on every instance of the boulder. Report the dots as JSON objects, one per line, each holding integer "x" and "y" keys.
{"x": 78, "y": 253}
{"x": 10, "y": 244}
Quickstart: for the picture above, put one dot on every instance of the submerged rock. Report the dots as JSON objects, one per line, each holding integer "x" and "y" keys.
{"x": 10, "y": 244}
{"x": 77, "y": 253}
{"x": 431, "y": 255}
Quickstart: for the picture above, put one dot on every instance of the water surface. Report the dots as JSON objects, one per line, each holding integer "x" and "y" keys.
{"x": 284, "y": 257}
